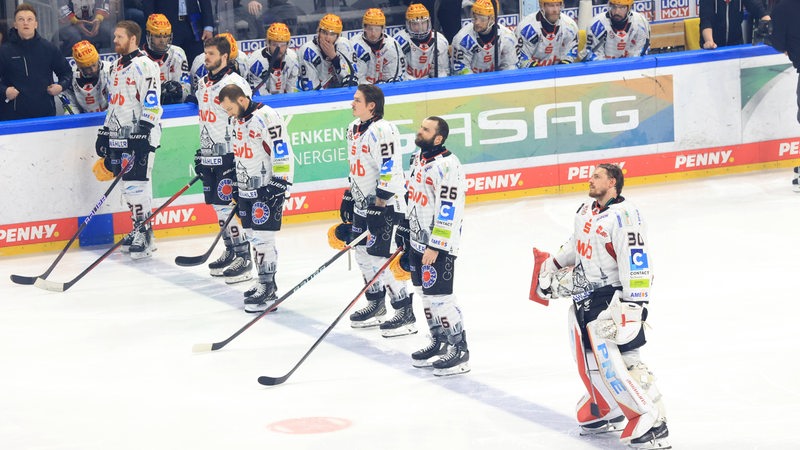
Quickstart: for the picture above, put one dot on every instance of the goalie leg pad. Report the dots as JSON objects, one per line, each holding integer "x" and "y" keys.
{"x": 632, "y": 398}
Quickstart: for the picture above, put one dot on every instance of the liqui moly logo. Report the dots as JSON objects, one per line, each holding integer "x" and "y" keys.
{"x": 674, "y": 9}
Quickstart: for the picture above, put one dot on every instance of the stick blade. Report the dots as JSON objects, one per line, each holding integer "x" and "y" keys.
{"x": 200, "y": 348}
{"x": 21, "y": 279}
{"x": 189, "y": 261}
{"x": 52, "y": 286}
{"x": 271, "y": 381}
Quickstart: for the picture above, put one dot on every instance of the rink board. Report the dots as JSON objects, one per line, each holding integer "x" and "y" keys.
{"x": 518, "y": 133}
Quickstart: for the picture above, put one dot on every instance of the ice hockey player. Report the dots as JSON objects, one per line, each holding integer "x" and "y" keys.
{"x": 132, "y": 130}
{"x": 426, "y": 51}
{"x": 89, "y": 90}
{"x": 264, "y": 170}
{"x": 171, "y": 60}
{"x": 605, "y": 269}
{"x": 214, "y": 160}
{"x": 483, "y": 45}
{"x": 618, "y": 33}
{"x": 376, "y": 202}
{"x": 237, "y": 61}
{"x": 378, "y": 56}
{"x": 327, "y": 60}
{"x": 274, "y": 69}
{"x": 547, "y": 36}
{"x": 436, "y": 197}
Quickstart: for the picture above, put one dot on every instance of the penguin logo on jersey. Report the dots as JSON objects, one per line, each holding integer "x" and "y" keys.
{"x": 127, "y": 158}
{"x": 370, "y": 239}
{"x": 260, "y": 213}
{"x": 428, "y": 276}
{"x": 225, "y": 189}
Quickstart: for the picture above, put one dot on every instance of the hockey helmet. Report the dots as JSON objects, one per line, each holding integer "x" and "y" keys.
{"x": 278, "y": 32}
{"x": 234, "y": 45}
{"x": 418, "y": 21}
{"x": 374, "y": 16}
{"x": 542, "y": 2}
{"x": 331, "y": 23}
{"x": 483, "y": 8}
{"x": 158, "y": 25}
{"x": 84, "y": 54}
{"x": 101, "y": 172}
{"x": 627, "y": 3}
{"x": 158, "y": 28}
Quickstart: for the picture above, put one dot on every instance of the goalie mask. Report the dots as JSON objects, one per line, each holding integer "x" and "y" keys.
{"x": 159, "y": 34}
{"x": 418, "y": 21}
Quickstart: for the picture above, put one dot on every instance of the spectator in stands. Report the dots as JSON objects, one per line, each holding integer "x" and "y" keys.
{"x": 721, "y": 21}
{"x": 84, "y": 20}
{"x": 274, "y": 11}
{"x": 192, "y": 22}
{"x": 27, "y": 64}
{"x": 134, "y": 10}
{"x": 619, "y": 32}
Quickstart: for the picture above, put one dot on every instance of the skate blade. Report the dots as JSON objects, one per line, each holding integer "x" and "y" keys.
{"x": 372, "y": 323}
{"x": 239, "y": 279}
{"x": 405, "y": 330}
{"x": 457, "y": 370}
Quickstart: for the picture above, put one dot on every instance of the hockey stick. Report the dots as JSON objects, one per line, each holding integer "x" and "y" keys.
{"x": 188, "y": 261}
{"x": 197, "y": 348}
{"x": 272, "y": 381}
{"x": 61, "y": 287}
{"x": 21, "y": 279}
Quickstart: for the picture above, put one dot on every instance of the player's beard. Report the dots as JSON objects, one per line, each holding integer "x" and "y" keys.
{"x": 423, "y": 144}
{"x": 215, "y": 67}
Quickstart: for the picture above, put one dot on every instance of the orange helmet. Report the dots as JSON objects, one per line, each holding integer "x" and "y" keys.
{"x": 484, "y": 8}
{"x": 158, "y": 25}
{"x": 234, "y": 46}
{"x": 374, "y": 16}
{"x": 330, "y": 22}
{"x": 278, "y": 32}
{"x": 84, "y": 54}
{"x": 418, "y": 21}
{"x": 627, "y": 3}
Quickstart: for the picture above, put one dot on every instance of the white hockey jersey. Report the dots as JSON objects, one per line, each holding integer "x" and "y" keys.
{"x": 318, "y": 73}
{"x": 88, "y": 94}
{"x": 262, "y": 149}
{"x": 278, "y": 81}
{"x": 539, "y": 47}
{"x": 376, "y": 164}
{"x": 603, "y": 42}
{"x": 472, "y": 55}
{"x": 134, "y": 92}
{"x": 215, "y": 132}
{"x": 173, "y": 66}
{"x": 609, "y": 248}
{"x": 387, "y": 64}
{"x": 198, "y": 69}
{"x": 420, "y": 55}
{"x": 437, "y": 192}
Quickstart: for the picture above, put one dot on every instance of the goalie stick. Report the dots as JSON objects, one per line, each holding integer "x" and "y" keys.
{"x": 61, "y": 287}
{"x": 272, "y": 381}
{"x": 22, "y": 279}
{"x": 188, "y": 261}
{"x": 197, "y": 348}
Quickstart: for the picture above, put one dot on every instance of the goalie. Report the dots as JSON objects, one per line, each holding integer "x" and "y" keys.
{"x": 604, "y": 269}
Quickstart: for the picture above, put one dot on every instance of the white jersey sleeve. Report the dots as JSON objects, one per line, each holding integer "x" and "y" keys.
{"x": 90, "y": 96}
{"x": 198, "y": 70}
{"x": 428, "y": 59}
{"x": 537, "y": 47}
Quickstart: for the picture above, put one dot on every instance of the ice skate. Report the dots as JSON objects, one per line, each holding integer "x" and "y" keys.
{"x": 402, "y": 324}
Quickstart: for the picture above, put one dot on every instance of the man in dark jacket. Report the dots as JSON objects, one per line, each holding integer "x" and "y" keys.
{"x": 786, "y": 38}
{"x": 192, "y": 22}
{"x": 27, "y": 64}
{"x": 721, "y": 21}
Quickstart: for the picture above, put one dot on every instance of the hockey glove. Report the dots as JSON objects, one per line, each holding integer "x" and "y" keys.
{"x": 346, "y": 207}
{"x": 101, "y": 171}
{"x": 201, "y": 169}
{"x": 402, "y": 235}
{"x": 275, "y": 62}
{"x": 621, "y": 322}
{"x": 171, "y": 93}
{"x": 274, "y": 190}
{"x": 140, "y": 143}
{"x": 101, "y": 144}
{"x": 376, "y": 219}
